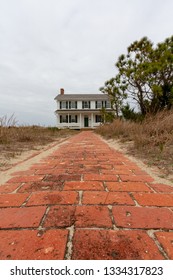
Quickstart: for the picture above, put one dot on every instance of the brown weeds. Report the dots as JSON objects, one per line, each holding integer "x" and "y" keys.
{"x": 16, "y": 139}
{"x": 152, "y": 139}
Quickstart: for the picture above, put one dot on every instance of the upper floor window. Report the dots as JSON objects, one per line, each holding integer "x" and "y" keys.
{"x": 68, "y": 104}
{"x": 63, "y": 105}
{"x": 85, "y": 104}
{"x": 72, "y": 104}
{"x": 108, "y": 104}
{"x": 99, "y": 104}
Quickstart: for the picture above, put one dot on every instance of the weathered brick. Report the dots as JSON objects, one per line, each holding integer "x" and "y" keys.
{"x": 25, "y": 179}
{"x": 119, "y": 198}
{"x": 8, "y": 188}
{"x": 127, "y": 187}
{"x": 92, "y": 216}
{"x": 100, "y": 177}
{"x": 154, "y": 199}
{"x": 25, "y": 217}
{"x": 62, "y": 177}
{"x": 136, "y": 178}
{"x": 54, "y": 197}
{"x": 80, "y": 185}
{"x": 96, "y": 197}
{"x": 166, "y": 240}
{"x": 162, "y": 188}
{"x": 60, "y": 216}
{"x": 41, "y": 186}
{"x": 106, "y": 198}
{"x": 30, "y": 245}
{"x": 114, "y": 245}
{"x": 9, "y": 200}
{"x": 143, "y": 217}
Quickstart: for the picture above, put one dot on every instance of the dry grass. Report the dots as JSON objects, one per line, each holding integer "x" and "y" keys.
{"x": 152, "y": 139}
{"x": 14, "y": 140}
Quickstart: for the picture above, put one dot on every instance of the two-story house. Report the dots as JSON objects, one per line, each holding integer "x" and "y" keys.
{"x": 80, "y": 110}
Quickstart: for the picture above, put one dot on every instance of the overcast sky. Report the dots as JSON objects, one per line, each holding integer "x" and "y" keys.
{"x": 46, "y": 45}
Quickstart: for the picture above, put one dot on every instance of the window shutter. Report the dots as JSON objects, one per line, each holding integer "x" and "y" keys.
{"x": 70, "y": 119}
{"x": 66, "y": 118}
{"x": 69, "y": 104}
{"x": 89, "y": 104}
{"x": 60, "y": 119}
{"x": 96, "y": 104}
{"x": 82, "y": 104}
{"x": 76, "y": 104}
{"x": 60, "y": 104}
{"x": 76, "y": 118}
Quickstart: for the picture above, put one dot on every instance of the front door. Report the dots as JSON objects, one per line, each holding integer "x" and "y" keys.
{"x": 86, "y": 121}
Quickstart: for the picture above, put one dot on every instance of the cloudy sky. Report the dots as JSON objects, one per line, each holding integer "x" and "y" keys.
{"x": 46, "y": 45}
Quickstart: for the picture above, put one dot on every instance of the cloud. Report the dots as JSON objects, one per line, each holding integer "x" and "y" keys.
{"x": 49, "y": 44}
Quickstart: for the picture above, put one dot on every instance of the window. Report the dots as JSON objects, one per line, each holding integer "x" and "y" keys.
{"x": 73, "y": 104}
{"x": 108, "y": 104}
{"x": 73, "y": 119}
{"x": 85, "y": 104}
{"x": 98, "y": 118}
{"x": 63, "y": 118}
{"x": 98, "y": 104}
{"x": 63, "y": 105}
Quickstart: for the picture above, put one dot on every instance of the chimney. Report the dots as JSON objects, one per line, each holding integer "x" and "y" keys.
{"x": 62, "y": 91}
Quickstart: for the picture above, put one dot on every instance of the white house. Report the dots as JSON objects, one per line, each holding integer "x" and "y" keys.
{"x": 80, "y": 110}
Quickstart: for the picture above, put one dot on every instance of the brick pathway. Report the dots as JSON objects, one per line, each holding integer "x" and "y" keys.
{"x": 85, "y": 201}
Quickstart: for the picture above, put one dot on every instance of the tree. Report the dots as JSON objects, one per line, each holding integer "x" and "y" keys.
{"x": 116, "y": 94}
{"x": 161, "y": 75}
{"x": 132, "y": 72}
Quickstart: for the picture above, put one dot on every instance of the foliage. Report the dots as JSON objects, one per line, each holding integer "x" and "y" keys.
{"x": 129, "y": 114}
{"x": 107, "y": 116}
{"x": 145, "y": 74}
{"x": 116, "y": 94}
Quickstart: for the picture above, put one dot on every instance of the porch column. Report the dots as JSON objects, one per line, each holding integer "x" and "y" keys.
{"x": 80, "y": 120}
{"x": 92, "y": 120}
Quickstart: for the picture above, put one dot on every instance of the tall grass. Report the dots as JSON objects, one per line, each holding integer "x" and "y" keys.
{"x": 16, "y": 139}
{"x": 152, "y": 138}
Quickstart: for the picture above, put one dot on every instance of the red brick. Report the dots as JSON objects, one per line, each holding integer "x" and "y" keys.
{"x": 24, "y": 179}
{"x": 60, "y": 216}
{"x": 127, "y": 187}
{"x": 100, "y": 177}
{"x": 106, "y": 198}
{"x": 119, "y": 198}
{"x": 166, "y": 240}
{"x": 117, "y": 172}
{"x": 41, "y": 186}
{"x": 46, "y": 172}
{"x": 143, "y": 217}
{"x": 92, "y": 216}
{"x": 80, "y": 185}
{"x": 114, "y": 245}
{"x": 62, "y": 177}
{"x": 96, "y": 197}
{"x": 28, "y": 245}
{"x": 25, "y": 217}
{"x": 8, "y": 188}
{"x": 154, "y": 199}
{"x": 162, "y": 188}
{"x": 7, "y": 200}
{"x": 136, "y": 178}
{"x": 54, "y": 197}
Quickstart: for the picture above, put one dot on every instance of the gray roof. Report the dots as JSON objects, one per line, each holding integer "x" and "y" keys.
{"x": 82, "y": 97}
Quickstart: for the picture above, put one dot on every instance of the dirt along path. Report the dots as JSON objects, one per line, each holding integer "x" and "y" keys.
{"x": 83, "y": 199}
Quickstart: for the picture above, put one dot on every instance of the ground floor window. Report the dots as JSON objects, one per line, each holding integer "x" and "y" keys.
{"x": 68, "y": 118}
{"x": 72, "y": 118}
{"x": 98, "y": 118}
